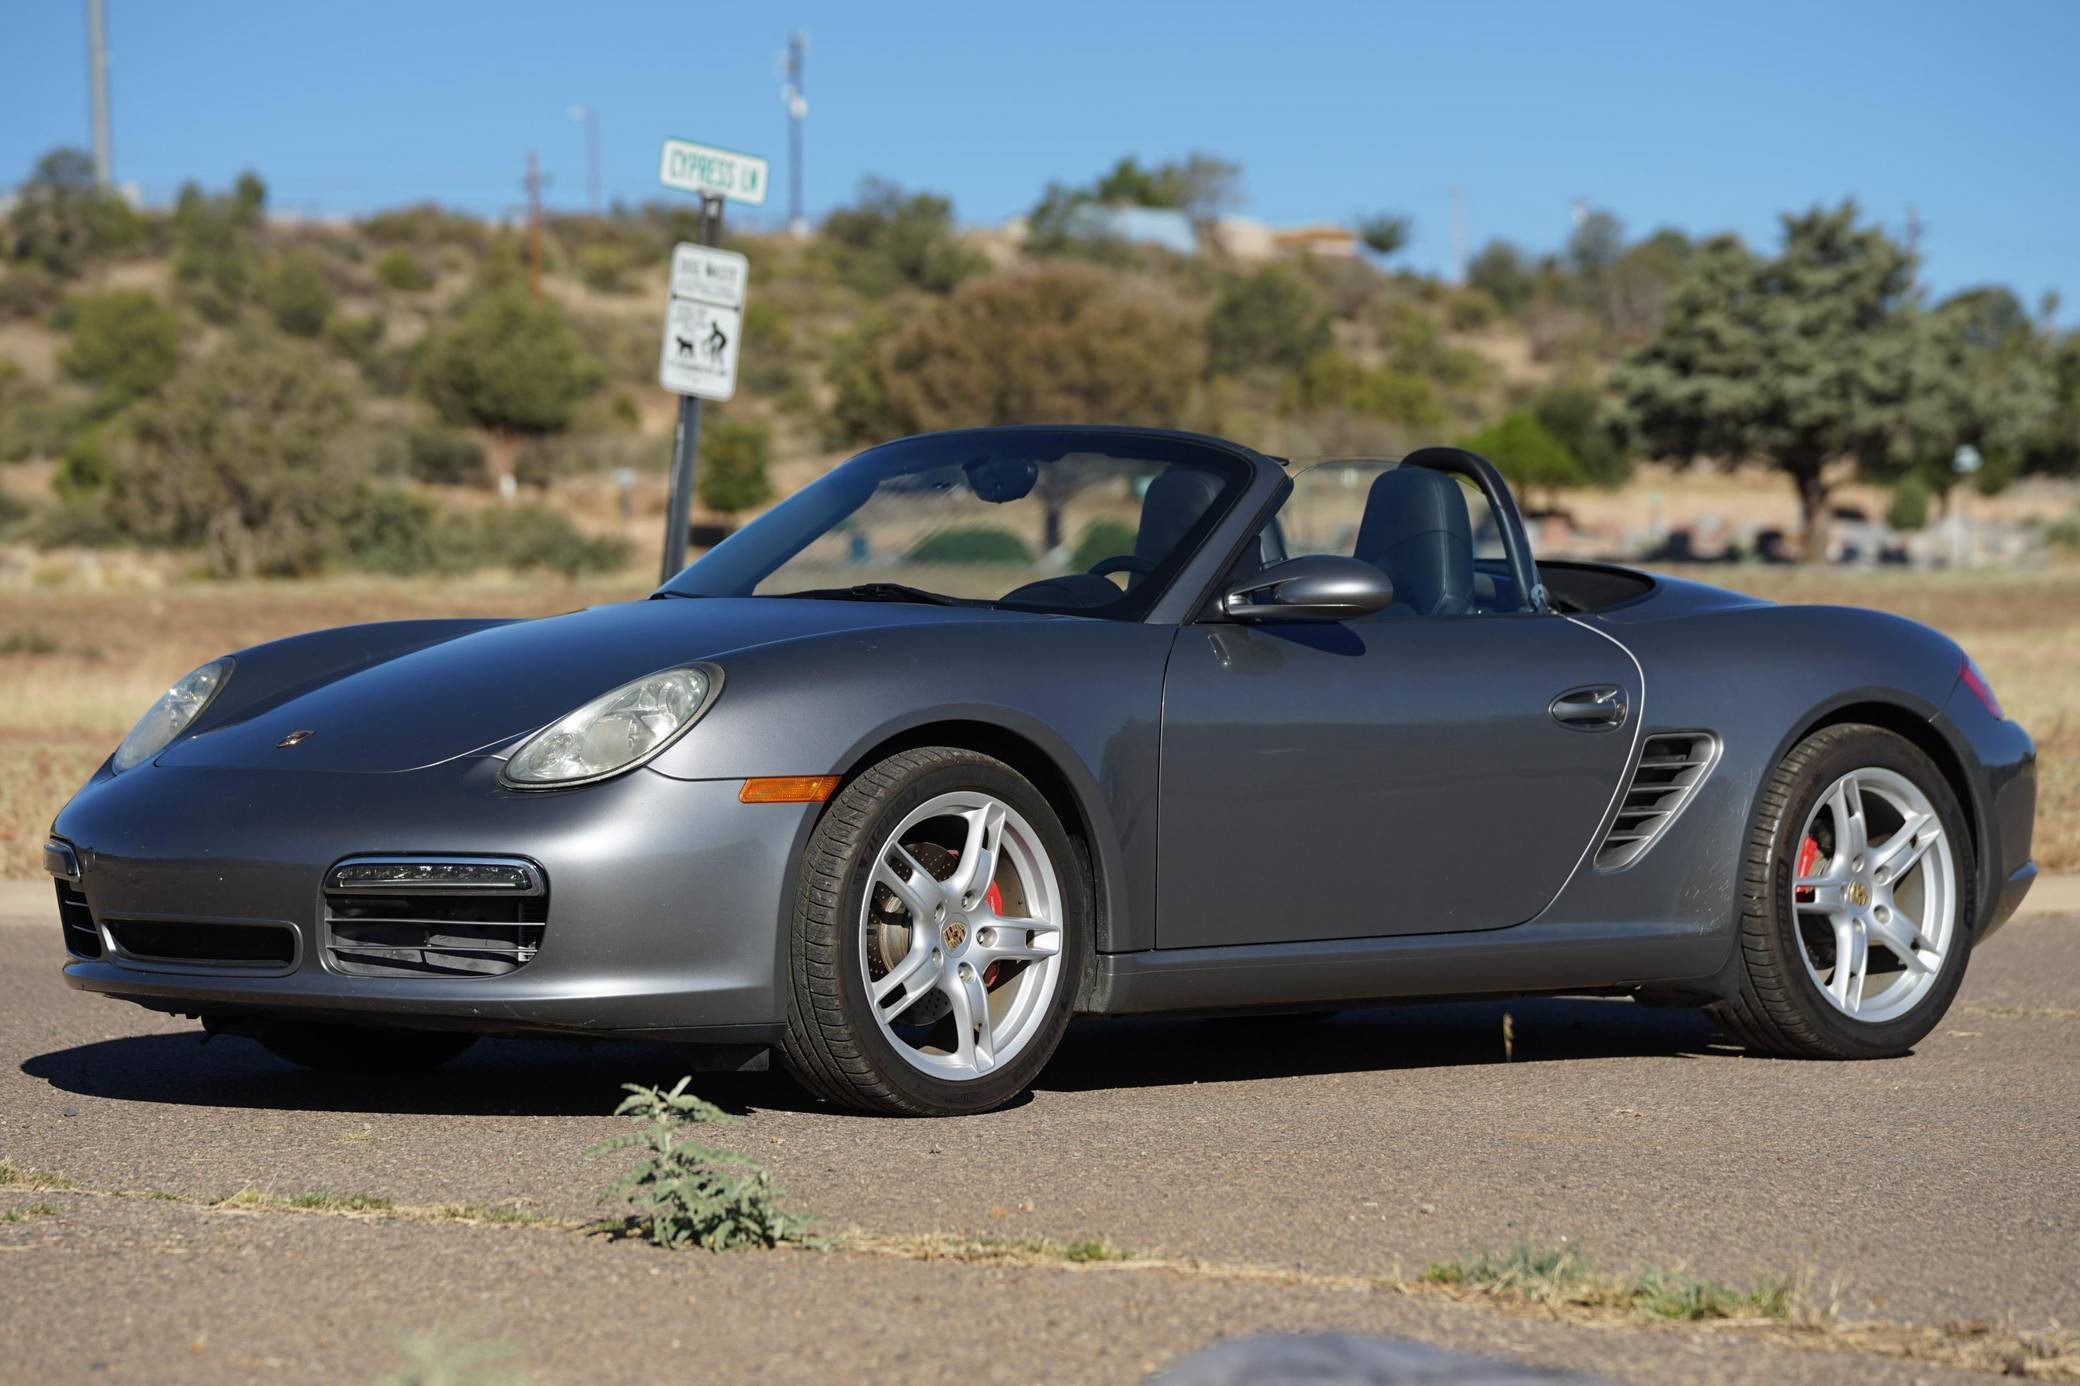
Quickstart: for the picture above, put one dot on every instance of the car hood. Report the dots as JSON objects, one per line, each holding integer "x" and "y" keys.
{"x": 484, "y": 688}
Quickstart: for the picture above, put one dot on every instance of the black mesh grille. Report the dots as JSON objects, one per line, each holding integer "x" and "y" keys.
{"x": 450, "y": 932}
{"x": 204, "y": 944}
{"x": 82, "y": 939}
{"x": 1671, "y": 766}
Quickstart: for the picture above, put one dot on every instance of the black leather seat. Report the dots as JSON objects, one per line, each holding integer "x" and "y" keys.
{"x": 1173, "y": 503}
{"x": 1416, "y": 531}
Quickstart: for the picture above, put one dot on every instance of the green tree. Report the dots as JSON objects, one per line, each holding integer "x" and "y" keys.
{"x": 125, "y": 341}
{"x": 237, "y": 454}
{"x": 1384, "y": 233}
{"x": 1799, "y": 362}
{"x": 214, "y": 244}
{"x": 1525, "y": 452}
{"x": 1980, "y": 375}
{"x": 1909, "y": 507}
{"x": 1577, "y": 416}
{"x": 298, "y": 292}
{"x": 63, "y": 220}
{"x": 1334, "y": 380}
{"x": 895, "y": 239}
{"x": 511, "y": 365}
{"x": 1274, "y": 317}
{"x": 735, "y": 455}
{"x": 1501, "y": 272}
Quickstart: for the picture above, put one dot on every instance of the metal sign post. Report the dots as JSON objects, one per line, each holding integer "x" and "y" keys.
{"x": 704, "y": 317}
{"x": 686, "y": 439}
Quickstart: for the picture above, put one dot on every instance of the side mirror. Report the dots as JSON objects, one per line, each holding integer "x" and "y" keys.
{"x": 1319, "y": 587}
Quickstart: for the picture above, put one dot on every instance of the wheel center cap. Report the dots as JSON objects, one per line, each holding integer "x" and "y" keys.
{"x": 1859, "y": 894}
{"x": 955, "y": 933}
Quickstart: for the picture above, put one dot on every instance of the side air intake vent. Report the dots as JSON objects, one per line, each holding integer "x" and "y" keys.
{"x": 1671, "y": 766}
{"x": 434, "y": 916}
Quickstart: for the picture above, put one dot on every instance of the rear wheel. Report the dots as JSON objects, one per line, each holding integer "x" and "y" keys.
{"x": 1858, "y": 903}
{"x": 362, "y": 1048}
{"x": 940, "y": 928}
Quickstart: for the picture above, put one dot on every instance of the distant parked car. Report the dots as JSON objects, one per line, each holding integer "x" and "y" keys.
{"x": 886, "y": 786}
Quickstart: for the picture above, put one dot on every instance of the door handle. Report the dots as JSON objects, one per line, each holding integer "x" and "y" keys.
{"x": 1599, "y": 707}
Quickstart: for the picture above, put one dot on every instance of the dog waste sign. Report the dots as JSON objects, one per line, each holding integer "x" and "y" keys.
{"x": 703, "y": 322}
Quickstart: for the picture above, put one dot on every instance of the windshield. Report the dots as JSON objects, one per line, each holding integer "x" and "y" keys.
{"x": 1084, "y": 521}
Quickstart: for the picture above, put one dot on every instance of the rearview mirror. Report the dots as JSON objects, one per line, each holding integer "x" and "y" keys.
{"x": 1319, "y": 587}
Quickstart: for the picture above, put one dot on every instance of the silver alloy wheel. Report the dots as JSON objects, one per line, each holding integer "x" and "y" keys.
{"x": 1889, "y": 904}
{"x": 990, "y": 973}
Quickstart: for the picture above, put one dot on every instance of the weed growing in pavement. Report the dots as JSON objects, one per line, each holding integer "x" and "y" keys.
{"x": 13, "y": 1177}
{"x": 1559, "y": 1279}
{"x": 694, "y": 1195}
{"x": 30, "y": 1213}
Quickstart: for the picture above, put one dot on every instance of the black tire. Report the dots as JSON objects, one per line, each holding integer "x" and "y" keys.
{"x": 833, "y": 1046}
{"x": 363, "y": 1048}
{"x": 1778, "y": 1007}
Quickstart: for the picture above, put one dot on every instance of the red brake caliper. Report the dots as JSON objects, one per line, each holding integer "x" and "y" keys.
{"x": 1808, "y": 858}
{"x": 996, "y": 906}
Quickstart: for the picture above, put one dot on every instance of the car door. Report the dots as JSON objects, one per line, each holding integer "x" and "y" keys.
{"x": 1408, "y": 773}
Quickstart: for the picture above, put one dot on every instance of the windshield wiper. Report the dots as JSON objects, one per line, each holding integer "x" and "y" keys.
{"x": 877, "y": 592}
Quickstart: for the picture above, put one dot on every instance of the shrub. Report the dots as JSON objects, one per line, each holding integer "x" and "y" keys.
{"x": 401, "y": 534}
{"x": 1274, "y": 317}
{"x": 604, "y": 266}
{"x": 892, "y": 239}
{"x": 1101, "y": 539}
{"x": 509, "y": 364}
{"x": 1333, "y": 380}
{"x": 444, "y": 457}
{"x": 1909, "y": 507}
{"x": 298, "y": 293}
{"x": 63, "y": 221}
{"x": 238, "y": 455}
{"x": 1578, "y": 417}
{"x": 733, "y": 460}
{"x": 399, "y": 269}
{"x": 525, "y": 537}
{"x": 126, "y": 341}
{"x": 694, "y": 1195}
{"x": 1066, "y": 343}
{"x": 1522, "y": 450}
{"x": 975, "y": 545}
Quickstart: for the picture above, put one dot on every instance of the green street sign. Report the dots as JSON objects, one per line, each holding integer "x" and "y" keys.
{"x": 711, "y": 172}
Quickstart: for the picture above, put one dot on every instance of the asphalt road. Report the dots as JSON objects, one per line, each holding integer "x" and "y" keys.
{"x": 1932, "y": 1189}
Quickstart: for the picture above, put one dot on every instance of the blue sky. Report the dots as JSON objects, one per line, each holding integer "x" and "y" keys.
{"x": 1703, "y": 117}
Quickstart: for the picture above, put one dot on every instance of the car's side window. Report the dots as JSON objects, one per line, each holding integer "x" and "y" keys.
{"x": 1431, "y": 532}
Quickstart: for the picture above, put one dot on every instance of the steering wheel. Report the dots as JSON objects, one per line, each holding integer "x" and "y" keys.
{"x": 1122, "y": 563}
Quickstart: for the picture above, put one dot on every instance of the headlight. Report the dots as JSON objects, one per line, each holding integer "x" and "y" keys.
{"x": 176, "y": 709}
{"x": 615, "y": 732}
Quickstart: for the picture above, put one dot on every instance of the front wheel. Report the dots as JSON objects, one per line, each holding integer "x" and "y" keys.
{"x": 940, "y": 927}
{"x": 1858, "y": 902}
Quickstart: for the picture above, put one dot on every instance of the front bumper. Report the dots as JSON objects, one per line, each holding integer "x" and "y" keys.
{"x": 665, "y": 915}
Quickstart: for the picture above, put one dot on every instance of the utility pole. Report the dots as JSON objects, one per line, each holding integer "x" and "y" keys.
{"x": 590, "y": 115}
{"x": 797, "y": 111}
{"x": 534, "y": 227}
{"x": 1914, "y": 239}
{"x": 686, "y": 439}
{"x": 1458, "y": 234}
{"x": 97, "y": 75}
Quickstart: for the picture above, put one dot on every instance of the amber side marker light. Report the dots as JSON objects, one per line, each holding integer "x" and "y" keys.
{"x": 788, "y": 789}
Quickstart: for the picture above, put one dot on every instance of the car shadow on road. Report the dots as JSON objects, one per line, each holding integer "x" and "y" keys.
{"x": 1159, "y": 1052}
{"x": 521, "y": 1077}
{"x": 517, "y": 1077}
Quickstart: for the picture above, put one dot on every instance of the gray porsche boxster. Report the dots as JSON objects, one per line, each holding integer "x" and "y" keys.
{"x": 989, "y": 729}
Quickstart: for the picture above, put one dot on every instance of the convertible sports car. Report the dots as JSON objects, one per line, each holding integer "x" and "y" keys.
{"x": 988, "y": 729}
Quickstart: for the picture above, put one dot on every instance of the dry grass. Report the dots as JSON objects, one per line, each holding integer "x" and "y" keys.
{"x": 77, "y": 667}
